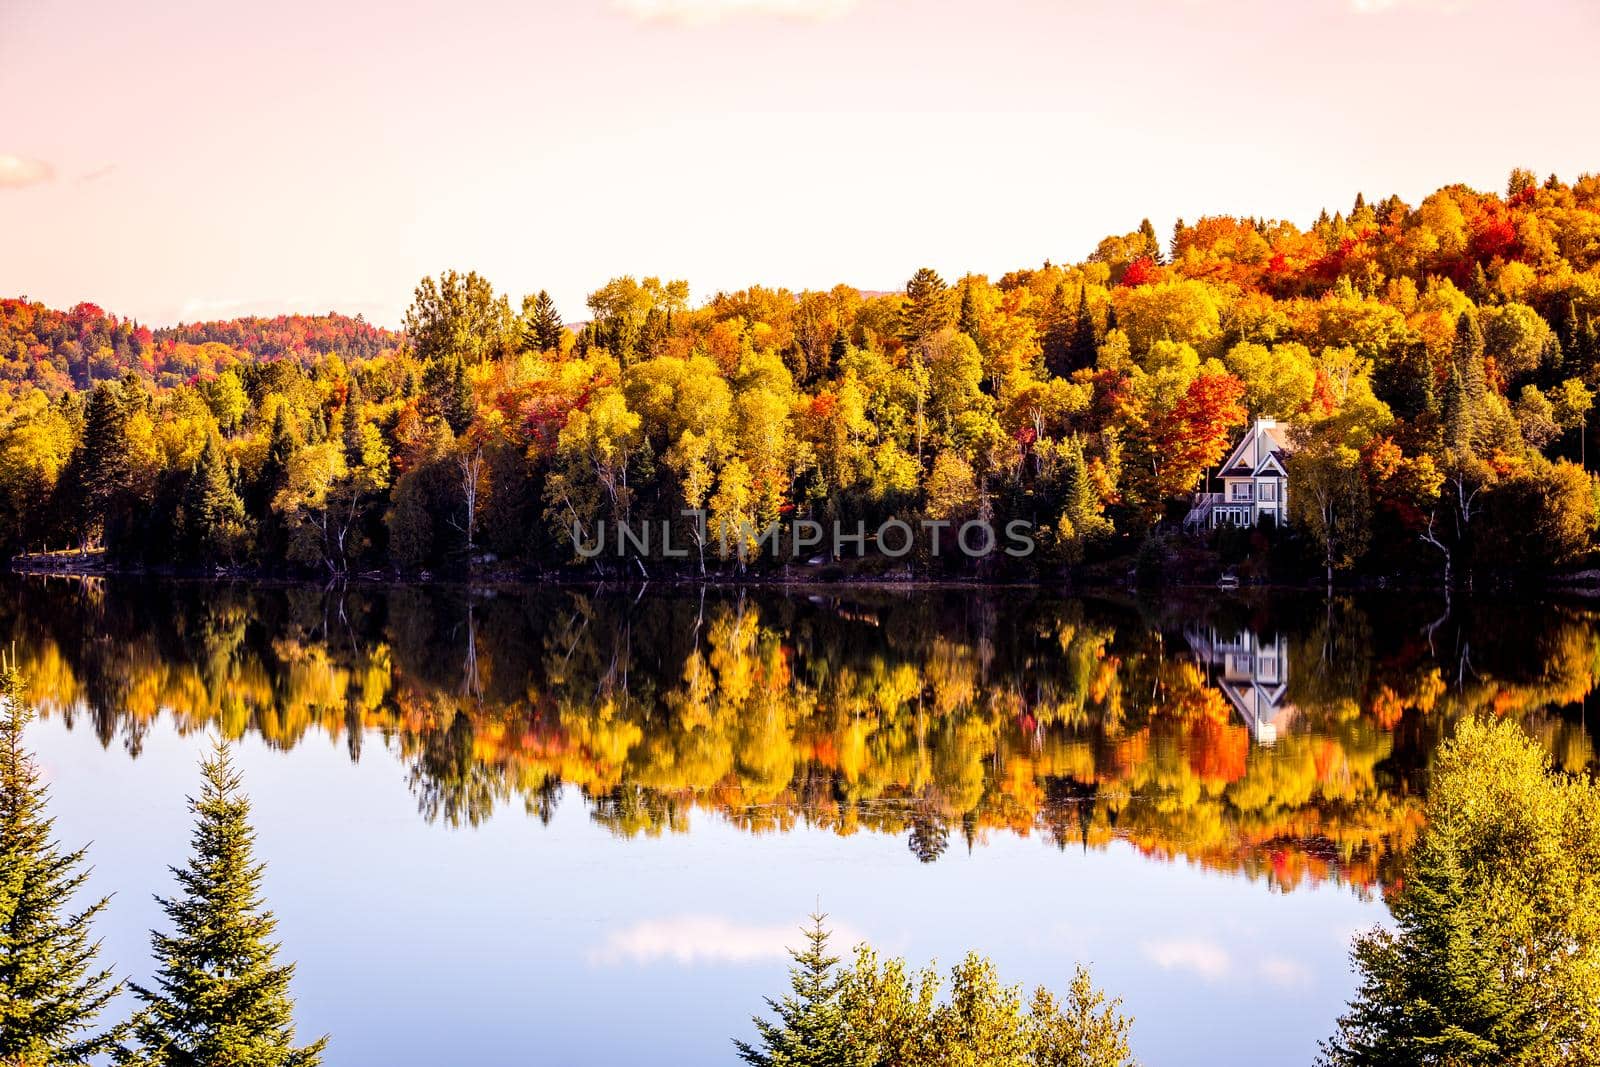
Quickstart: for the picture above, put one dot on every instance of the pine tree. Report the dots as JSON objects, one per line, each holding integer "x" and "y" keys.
{"x": 448, "y": 393}
{"x": 1479, "y": 288}
{"x": 1405, "y": 381}
{"x": 220, "y": 997}
{"x": 280, "y": 450}
{"x": 353, "y": 417}
{"x": 211, "y": 514}
{"x": 1081, "y": 349}
{"x": 542, "y": 329}
{"x": 1587, "y": 346}
{"x": 1552, "y": 361}
{"x": 1456, "y": 412}
{"x": 1080, "y": 502}
{"x": 809, "y": 1031}
{"x": 102, "y": 469}
{"x": 927, "y": 308}
{"x": 840, "y": 347}
{"x": 1467, "y": 355}
{"x": 1568, "y": 329}
{"x": 967, "y": 318}
{"x": 1493, "y": 956}
{"x": 51, "y": 991}
{"x": 1056, "y": 344}
{"x": 1152, "y": 243}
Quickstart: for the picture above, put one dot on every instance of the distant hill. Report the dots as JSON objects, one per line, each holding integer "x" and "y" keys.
{"x": 60, "y": 350}
{"x": 298, "y": 336}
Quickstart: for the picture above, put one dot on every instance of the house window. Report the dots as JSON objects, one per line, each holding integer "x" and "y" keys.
{"x": 1269, "y": 490}
{"x": 1239, "y": 491}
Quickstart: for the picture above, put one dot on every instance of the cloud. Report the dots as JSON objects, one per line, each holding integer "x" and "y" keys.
{"x": 1206, "y": 958}
{"x": 1377, "y": 7}
{"x": 692, "y": 939}
{"x": 705, "y": 12}
{"x": 16, "y": 172}
{"x": 198, "y": 308}
{"x": 1282, "y": 971}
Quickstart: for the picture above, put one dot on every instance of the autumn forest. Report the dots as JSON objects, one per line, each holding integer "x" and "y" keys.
{"x": 1436, "y": 363}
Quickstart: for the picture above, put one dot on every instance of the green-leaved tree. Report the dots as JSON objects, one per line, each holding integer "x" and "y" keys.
{"x": 1495, "y": 955}
{"x": 876, "y": 1013}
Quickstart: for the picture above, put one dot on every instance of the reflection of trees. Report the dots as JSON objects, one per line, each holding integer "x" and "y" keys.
{"x": 912, "y": 715}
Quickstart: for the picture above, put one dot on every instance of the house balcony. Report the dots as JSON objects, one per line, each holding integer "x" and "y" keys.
{"x": 1199, "y": 516}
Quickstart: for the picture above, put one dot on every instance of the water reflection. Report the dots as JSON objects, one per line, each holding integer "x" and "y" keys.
{"x": 1283, "y": 739}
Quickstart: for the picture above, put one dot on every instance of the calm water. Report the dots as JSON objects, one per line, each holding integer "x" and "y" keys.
{"x": 579, "y": 827}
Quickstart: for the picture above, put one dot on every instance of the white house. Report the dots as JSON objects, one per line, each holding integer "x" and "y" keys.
{"x": 1255, "y": 482}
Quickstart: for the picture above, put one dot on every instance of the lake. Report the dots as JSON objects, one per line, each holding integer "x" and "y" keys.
{"x": 579, "y": 826}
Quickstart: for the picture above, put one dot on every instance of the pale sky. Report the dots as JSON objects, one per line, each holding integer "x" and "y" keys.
{"x": 177, "y": 161}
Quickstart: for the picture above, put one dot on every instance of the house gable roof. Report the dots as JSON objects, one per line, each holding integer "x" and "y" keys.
{"x": 1261, "y": 448}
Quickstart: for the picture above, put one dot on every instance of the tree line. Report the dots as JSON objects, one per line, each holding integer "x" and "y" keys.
{"x": 939, "y": 720}
{"x": 1437, "y": 365}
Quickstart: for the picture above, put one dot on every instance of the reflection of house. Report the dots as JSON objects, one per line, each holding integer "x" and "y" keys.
{"x": 1252, "y": 671}
{"x": 1255, "y": 482}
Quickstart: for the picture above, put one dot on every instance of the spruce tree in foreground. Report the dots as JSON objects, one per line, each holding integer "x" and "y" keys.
{"x": 51, "y": 991}
{"x": 809, "y": 1031}
{"x": 220, "y": 996}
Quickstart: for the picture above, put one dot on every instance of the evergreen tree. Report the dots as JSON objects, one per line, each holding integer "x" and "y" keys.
{"x": 353, "y": 418}
{"x": 1467, "y": 359}
{"x": 1080, "y": 503}
{"x": 317, "y": 432}
{"x": 1587, "y": 346}
{"x": 211, "y": 514}
{"x": 51, "y": 991}
{"x": 840, "y": 347}
{"x": 542, "y": 329}
{"x": 1081, "y": 348}
{"x": 1404, "y": 381}
{"x": 1495, "y": 955}
{"x": 102, "y": 468}
{"x": 1056, "y": 344}
{"x": 809, "y": 1031}
{"x": 447, "y": 393}
{"x": 927, "y": 308}
{"x": 1552, "y": 362}
{"x": 1152, "y": 243}
{"x": 929, "y": 837}
{"x": 1479, "y": 288}
{"x": 967, "y": 318}
{"x": 1569, "y": 329}
{"x": 220, "y": 997}
{"x": 1456, "y": 412}
{"x": 272, "y": 477}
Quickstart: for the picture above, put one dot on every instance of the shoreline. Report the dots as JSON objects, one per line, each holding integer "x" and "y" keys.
{"x": 1583, "y": 585}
